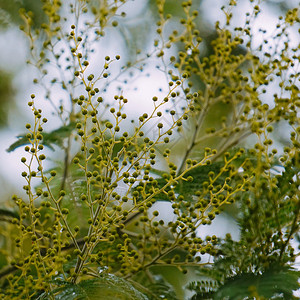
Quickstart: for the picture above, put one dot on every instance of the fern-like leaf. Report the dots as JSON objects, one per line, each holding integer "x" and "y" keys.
{"x": 107, "y": 287}
{"x": 273, "y": 282}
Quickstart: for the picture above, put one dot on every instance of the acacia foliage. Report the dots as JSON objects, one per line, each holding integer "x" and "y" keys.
{"x": 92, "y": 222}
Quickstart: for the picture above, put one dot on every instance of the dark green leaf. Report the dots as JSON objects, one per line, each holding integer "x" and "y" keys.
{"x": 161, "y": 291}
{"x": 188, "y": 188}
{"x": 107, "y": 287}
{"x": 271, "y": 283}
{"x": 55, "y": 137}
{"x": 204, "y": 289}
{"x": 5, "y": 213}
{"x": 22, "y": 140}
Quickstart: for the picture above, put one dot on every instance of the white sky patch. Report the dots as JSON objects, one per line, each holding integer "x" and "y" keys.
{"x": 220, "y": 226}
{"x": 13, "y": 49}
{"x": 165, "y": 211}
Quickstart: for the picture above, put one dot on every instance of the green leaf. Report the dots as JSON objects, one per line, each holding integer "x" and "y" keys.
{"x": 55, "y": 137}
{"x": 107, "y": 287}
{"x": 5, "y": 213}
{"x": 22, "y": 140}
{"x": 58, "y": 135}
{"x": 269, "y": 284}
{"x": 161, "y": 290}
{"x": 199, "y": 174}
{"x": 204, "y": 289}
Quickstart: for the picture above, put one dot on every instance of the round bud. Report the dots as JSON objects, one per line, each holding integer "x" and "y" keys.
{"x": 53, "y": 173}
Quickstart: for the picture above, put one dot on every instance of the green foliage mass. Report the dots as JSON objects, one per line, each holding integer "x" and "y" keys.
{"x": 91, "y": 225}
{"x": 106, "y": 287}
